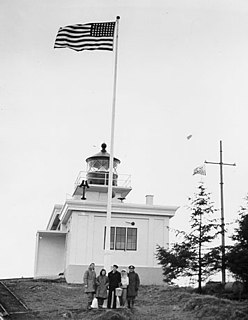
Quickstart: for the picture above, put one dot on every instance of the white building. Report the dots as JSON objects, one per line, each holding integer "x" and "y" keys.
{"x": 75, "y": 234}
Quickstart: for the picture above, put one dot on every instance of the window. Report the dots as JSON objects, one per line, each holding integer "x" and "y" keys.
{"x": 131, "y": 239}
{"x": 122, "y": 238}
{"x": 112, "y": 238}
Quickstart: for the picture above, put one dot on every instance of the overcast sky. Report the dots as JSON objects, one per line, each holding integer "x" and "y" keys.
{"x": 182, "y": 69}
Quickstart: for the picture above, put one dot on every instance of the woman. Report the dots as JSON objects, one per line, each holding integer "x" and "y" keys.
{"x": 102, "y": 282}
{"x": 124, "y": 285}
{"x": 90, "y": 284}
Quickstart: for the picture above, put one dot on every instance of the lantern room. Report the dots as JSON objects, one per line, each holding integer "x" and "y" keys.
{"x": 98, "y": 168}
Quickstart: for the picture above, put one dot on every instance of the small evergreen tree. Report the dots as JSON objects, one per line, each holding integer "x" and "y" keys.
{"x": 237, "y": 255}
{"x": 193, "y": 257}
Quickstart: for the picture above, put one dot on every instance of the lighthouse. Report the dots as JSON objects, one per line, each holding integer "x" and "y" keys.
{"x": 75, "y": 234}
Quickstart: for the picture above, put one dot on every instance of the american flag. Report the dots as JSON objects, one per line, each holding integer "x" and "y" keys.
{"x": 89, "y": 36}
{"x": 200, "y": 170}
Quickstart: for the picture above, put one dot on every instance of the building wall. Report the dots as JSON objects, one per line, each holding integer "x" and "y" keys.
{"x": 148, "y": 275}
{"x": 120, "y": 256}
{"x": 50, "y": 254}
{"x": 78, "y": 242}
{"x": 85, "y": 241}
{"x": 85, "y": 244}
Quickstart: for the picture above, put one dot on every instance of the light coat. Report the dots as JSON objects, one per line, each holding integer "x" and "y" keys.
{"x": 124, "y": 281}
{"x": 90, "y": 280}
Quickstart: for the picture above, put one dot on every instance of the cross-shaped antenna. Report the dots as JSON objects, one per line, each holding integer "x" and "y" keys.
{"x": 221, "y": 164}
{"x": 84, "y": 184}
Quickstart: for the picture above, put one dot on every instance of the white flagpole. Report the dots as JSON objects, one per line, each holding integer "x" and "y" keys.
{"x": 107, "y": 252}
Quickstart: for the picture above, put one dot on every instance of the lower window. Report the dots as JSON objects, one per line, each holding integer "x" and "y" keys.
{"x": 122, "y": 238}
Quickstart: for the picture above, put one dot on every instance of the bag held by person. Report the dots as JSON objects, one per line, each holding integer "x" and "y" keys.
{"x": 118, "y": 292}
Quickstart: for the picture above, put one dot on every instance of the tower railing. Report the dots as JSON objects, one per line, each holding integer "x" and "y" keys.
{"x": 123, "y": 180}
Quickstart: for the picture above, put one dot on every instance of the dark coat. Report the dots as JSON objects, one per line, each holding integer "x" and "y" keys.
{"x": 134, "y": 282}
{"x": 90, "y": 280}
{"x": 102, "y": 285}
{"x": 114, "y": 279}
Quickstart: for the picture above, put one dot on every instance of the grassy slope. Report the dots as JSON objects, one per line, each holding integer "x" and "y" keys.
{"x": 59, "y": 300}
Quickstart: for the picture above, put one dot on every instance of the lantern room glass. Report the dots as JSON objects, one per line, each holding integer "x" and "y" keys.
{"x": 101, "y": 165}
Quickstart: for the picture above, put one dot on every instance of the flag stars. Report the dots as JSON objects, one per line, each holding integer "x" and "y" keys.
{"x": 103, "y": 29}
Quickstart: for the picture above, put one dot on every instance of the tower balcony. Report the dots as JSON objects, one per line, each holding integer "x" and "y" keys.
{"x": 102, "y": 178}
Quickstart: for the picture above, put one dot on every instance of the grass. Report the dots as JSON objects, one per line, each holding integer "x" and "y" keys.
{"x": 58, "y": 300}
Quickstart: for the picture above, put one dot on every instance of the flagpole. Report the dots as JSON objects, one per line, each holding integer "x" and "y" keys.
{"x": 107, "y": 251}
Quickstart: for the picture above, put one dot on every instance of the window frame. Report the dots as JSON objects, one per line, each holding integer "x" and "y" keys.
{"x": 122, "y": 238}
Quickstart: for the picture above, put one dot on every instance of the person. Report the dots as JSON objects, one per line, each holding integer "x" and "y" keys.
{"x": 90, "y": 284}
{"x": 133, "y": 287}
{"x": 102, "y": 282}
{"x": 114, "y": 277}
{"x": 124, "y": 285}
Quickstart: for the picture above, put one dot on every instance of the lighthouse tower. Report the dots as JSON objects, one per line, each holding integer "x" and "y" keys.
{"x": 92, "y": 185}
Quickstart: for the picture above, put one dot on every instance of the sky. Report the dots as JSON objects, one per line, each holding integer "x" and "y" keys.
{"x": 182, "y": 70}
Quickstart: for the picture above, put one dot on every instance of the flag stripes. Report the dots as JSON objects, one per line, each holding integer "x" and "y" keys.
{"x": 89, "y": 36}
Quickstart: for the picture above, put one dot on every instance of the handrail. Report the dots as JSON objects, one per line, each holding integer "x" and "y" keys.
{"x": 120, "y": 180}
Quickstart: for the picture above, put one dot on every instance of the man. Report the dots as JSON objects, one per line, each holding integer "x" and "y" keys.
{"x": 114, "y": 282}
{"x": 133, "y": 287}
{"x": 90, "y": 284}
